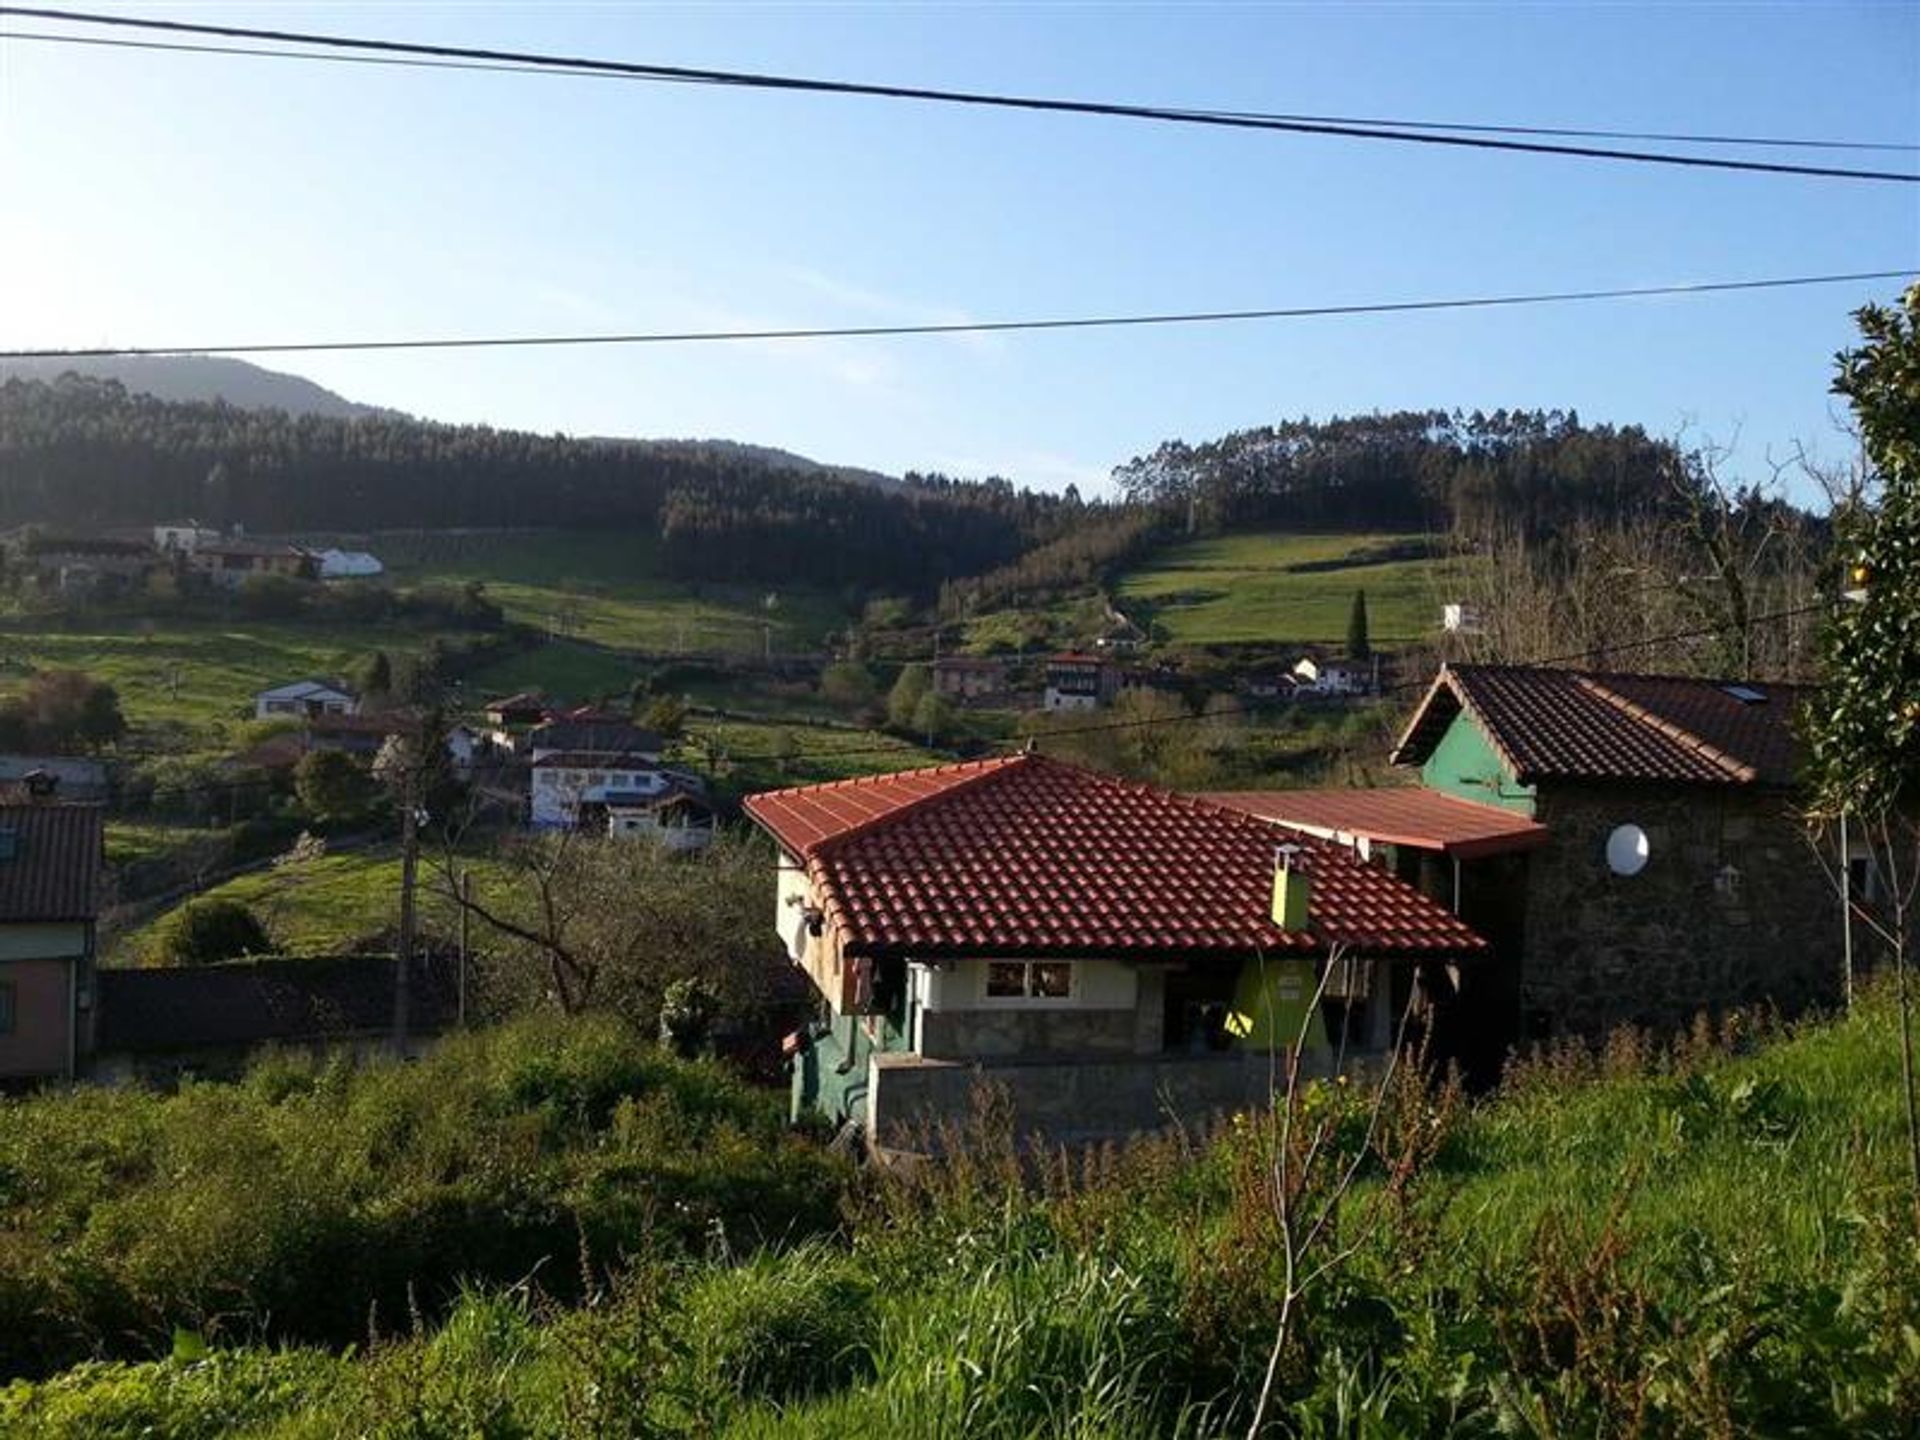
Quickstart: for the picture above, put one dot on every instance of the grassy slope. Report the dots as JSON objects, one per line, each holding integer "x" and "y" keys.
{"x": 321, "y": 906}
{"x": 607, "y": 589}
{"x": 1238, "y": 589}
{"x": 1741, "y": 1181}
{"x": 188, "y": 685}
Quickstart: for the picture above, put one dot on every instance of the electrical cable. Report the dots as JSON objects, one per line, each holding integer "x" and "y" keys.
{"x": 978, "y": 327}
{"x": 983, "y": 99}
{"x": 1661, "y": 137}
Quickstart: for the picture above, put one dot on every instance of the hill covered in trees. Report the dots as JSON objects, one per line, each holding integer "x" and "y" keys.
{"x": 80, "y": 452}
{"x": 1533, "y": 471}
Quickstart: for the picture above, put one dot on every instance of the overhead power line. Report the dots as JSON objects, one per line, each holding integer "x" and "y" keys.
{"x": 560, "y": 71}
{"x": 972, "y": 327}
{"x": 1330, "y": 127}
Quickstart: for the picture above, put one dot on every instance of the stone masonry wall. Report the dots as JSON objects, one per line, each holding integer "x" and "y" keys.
{"x": 1732, "y": 909}
{"x": 963, "y": 1034}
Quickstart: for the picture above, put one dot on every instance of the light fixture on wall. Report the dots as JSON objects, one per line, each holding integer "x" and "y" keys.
{"x": 1628, "y": 850}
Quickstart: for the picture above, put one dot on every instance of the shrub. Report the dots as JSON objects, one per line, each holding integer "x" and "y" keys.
{"x": 205, "y": 932}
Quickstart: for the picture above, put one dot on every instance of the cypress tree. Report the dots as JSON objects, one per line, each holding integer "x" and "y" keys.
{"x": 1359, "y": 647}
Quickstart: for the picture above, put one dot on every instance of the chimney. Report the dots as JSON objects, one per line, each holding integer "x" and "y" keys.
{"x": 41, "y": 784}
{"x": 1292, "y": 890}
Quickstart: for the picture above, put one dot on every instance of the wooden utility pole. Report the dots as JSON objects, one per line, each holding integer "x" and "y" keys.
{"x": 409, "y": 870}
{"x": 466, "y": 917}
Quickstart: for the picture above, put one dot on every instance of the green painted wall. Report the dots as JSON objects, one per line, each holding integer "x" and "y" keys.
{"x": 42, "y": 942}
{"x": 1465, "y": 764}
{"x": 830, "y": 1075}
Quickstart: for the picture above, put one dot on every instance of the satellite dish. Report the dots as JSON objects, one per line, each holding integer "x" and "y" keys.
{"x": 1627, "y": 850}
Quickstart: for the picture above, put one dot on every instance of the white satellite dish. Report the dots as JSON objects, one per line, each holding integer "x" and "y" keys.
{"x": 1627, "y": 850}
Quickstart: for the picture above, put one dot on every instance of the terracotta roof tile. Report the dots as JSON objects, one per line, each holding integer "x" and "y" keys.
{"x": 1025, "y": 855}
{"x": 1570, "y": 724}
{"x": 1412, "y": 816}
{"x": 50, "y": 861}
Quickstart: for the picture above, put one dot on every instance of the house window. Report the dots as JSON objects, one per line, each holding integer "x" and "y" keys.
{"x": 1029, "y": 980}
{"x": 6, "y": 1007}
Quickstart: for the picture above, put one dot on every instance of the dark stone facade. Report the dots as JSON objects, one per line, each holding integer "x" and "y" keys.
{"x": 1733, "y": 909}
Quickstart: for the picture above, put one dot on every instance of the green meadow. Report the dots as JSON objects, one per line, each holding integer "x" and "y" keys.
{"x": 607, "y": 589}
{"x": 1276, "y": 588}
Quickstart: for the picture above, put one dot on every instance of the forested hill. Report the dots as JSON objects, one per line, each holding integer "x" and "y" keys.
{"x": 199, "y": 377}
{"x": 1479, "y": 474}
{"x": 83, "y": 452}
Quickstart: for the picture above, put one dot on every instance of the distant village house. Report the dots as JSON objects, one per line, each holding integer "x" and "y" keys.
{"x": 308, "y": 698}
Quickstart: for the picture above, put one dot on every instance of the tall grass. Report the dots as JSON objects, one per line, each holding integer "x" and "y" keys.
{"x": 1703, "y": 1240}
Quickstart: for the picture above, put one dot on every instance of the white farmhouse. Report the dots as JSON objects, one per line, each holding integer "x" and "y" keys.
{"x": 306, "y": 699}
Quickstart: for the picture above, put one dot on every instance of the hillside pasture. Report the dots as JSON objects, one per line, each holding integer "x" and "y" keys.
{"x": 188, "y": 686}
{"x": 327, "y": 905}
{"x": 1272, "y": 588}
{"x": 608, "y": 589}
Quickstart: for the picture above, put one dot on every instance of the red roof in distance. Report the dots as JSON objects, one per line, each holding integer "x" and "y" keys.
{"x": 1028, "y": 856}
{"x": 1418, "y": 818}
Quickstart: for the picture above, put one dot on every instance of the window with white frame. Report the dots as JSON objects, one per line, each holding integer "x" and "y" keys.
{"x": 1029, "y": 980}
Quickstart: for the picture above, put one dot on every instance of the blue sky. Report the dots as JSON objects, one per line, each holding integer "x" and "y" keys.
{"x": 194, "y": 199}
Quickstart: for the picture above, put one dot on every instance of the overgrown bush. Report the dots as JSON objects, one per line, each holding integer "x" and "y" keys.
{"x": 313, "y": 1199}
{"x": 206, "y": 932}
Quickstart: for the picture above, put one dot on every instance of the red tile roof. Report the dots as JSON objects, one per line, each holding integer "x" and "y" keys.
{"x": 53, "y": 870}
{"x": 1412, "y": 816}
{"x": 1570, "y": 724}
{"x": 1028, "y": 856}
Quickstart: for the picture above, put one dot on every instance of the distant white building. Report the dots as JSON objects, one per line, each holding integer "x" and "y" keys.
{"x": 1330, "y": 679}
{"x": 182, "y": 537}
{"x": 305, "y": 699}
{"x": 677, "y": 818}
{"x": 347, "y": 564}
{"x": 572, "y": 788}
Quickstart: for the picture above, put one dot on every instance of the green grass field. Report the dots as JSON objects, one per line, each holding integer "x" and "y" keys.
{"x": 753, "y": 751}
{"x": 188, "y": 685}
{"x": 606, "y": 588}
{"x": 321, "y": 906}
{"x": 1248, "y": 589}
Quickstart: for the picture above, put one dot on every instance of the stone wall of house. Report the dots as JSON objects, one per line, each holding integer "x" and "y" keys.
{"x": 961, "y": 1034}
{"x": 1732, "y": 909}
{"x": 1066, "y": 1101}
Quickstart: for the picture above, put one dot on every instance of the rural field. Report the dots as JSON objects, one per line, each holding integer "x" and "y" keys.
{"x": 327, "y": 905}
{"x": 1270, "y": 588}
{"x": 607, "y": 589}
{"x": 186, "y": 686}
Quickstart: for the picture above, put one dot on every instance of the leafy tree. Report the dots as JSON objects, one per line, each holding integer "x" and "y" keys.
{"x": 331, "y": 785}
{"x": 688, "y": 1008}
{"x": 1359, "y": 647}
{"x": 932, "y": 717}
{"x": 785, "y": 749}
{"x": 62, "y": 710}
{"x": 206, "y": 932}
{"x": 903, "y": 701}
{"x": 376, "y": 679}
{"x": 597, "y": 924}
{"x": 1863, "y": 721}
{"x": 666, "y": 716}
{"x": 848, "y": 685}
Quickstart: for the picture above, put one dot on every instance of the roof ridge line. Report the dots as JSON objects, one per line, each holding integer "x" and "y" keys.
{"x": 1734, "y": 768}
{"x": 985, "y": 770}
